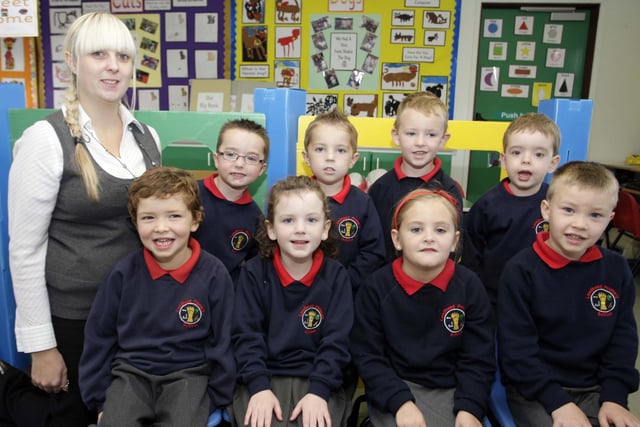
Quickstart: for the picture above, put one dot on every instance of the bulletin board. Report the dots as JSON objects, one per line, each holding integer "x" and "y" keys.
{"x": 18, "y": 65}
{"x": 177, "y": 40}
{"x": 526, "y": 55}
{"x": 363, "y": 56}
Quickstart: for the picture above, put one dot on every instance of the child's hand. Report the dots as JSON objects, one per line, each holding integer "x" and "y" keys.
{"x": 262, "y": 406}
{"x": 467, "y": 419}
{"x": 569, "y": 415}
{"x": 614, "y": 414}
{"x": 410, "y": 416}
{"x": 314, "y": 410}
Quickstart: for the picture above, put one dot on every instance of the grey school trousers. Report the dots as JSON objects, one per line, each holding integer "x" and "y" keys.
{"x": 436, "y": 406}
{"x": 289, "y": 391}
{"x": 530, "y": 413}
{"x": 136, "y": 398}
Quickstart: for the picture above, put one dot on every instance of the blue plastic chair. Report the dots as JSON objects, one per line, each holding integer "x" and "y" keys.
{"x": 217, "y": 416}
{"x": 498, "y": 402}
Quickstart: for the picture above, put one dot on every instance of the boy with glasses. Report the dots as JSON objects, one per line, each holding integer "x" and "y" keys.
{"x": 231, "y": 215}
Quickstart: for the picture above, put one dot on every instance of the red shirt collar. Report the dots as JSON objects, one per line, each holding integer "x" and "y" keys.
{"x": 285, "y": 277}
{"x": 555, "y": 260}
{"x": 340, "y": 196}
{"x": 505, "y": 184}
{"x": 210, "y": 184}
{"x": 181, "y": 273}
{"x": 411, "y": 286}
{"x": 437, "y": 163}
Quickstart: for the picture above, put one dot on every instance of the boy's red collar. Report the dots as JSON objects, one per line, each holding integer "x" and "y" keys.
{"x": 180, "y": 274}
{"x": 556, "y": 261}
{"x": 397, "y": 167}
{"x": 210, "y": 184}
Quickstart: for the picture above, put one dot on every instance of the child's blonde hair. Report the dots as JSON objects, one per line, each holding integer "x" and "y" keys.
{"x": 332, "y": 118}
{"x": 164, "y": 182}
{"x": 533, "y": 122}
{"x": 426, "y": 103}
{"x": 89, "y": 33}
{"x": 285, "y": 187}
{"x": 246, "y": 125}
{"x": 585, "y": 176}
{"x": 421, "y": 194}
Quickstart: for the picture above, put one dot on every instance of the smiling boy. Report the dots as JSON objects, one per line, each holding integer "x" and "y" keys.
{"x": 420, "y": 130}
{"x": 566, "y": 330}
{"x": 157, "y": 341}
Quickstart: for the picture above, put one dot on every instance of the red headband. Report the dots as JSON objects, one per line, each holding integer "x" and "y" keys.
{"x": 448, "y": 197}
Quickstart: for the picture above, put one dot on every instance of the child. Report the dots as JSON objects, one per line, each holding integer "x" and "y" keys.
{"x": 566, "y": 330}
{"x": 420, "y": 130}
{"x": 230, "y": 214}
{"x": 330, "y": 144}
{"x": 292, "y": 318}
{"x": 423, "y": 337}
{"x": 157, "y": 341}
{"x": 507, "y": 218}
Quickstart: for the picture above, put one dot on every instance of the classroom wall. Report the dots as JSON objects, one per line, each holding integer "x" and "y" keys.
{"x": 614, "y": 85}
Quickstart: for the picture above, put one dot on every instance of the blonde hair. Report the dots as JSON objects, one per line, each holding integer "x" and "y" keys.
{"x": 89, "y": 33}
{"x": 533, "y": 122}
{"x": 424, "y": 102}
{"x": 585, "y": 176}
{"x": 447, "y": 200}
{"x": 332, "y": 118}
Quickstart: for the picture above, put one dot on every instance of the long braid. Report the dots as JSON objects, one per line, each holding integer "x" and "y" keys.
{"x": 81, "y": 155}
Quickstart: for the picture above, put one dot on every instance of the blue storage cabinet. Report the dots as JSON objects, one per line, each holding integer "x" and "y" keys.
{"x": 11, "y": 96}
{"x": 573, "y": 117}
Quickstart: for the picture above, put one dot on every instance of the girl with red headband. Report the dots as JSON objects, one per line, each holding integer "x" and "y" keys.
{"x": 423, "y": 337}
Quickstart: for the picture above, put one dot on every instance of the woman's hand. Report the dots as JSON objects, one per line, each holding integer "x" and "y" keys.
{"x": 48, "y": 371}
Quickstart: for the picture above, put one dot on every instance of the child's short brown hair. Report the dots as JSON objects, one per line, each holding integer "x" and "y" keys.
{"x": 163, "y": 182}
{"x": 533, "y": 122}
{"x": 586, "y": 176}
{"x": 249, "y": 126}
{"x": 426, "y": 103}
{"x": 333, "y": 118}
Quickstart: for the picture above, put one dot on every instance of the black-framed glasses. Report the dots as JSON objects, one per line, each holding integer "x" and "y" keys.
{"x": 250, "y": 159}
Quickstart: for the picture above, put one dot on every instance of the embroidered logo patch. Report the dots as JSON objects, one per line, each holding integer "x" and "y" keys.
{"x": 239, "y": 240}
{"x": 541, "y": 225}
{"x": 603, "y": 299}
{"x": 453, "y": 319}
{"x": 311, "y": 317}
{"x": 190, "y": 312}
{"x": 348, "y": 228}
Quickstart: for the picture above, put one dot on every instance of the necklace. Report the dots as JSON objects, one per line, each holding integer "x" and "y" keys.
{"x": 123, "y": 164}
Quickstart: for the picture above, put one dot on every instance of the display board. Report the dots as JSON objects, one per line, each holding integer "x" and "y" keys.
{"x": 18, "y": 65}
{"x": 363, "y": 56}
{"x": 526, "y": 55}
{"x": 177, "y": 41}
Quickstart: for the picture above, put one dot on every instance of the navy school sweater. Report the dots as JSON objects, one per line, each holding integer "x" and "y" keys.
{"x": 391, "y": 187}
{"x": 361, "y": 242}
{"x": 228, "y": 228}
{"x": 438, "y": 335}
{"x": 565, "y": 323}
{"x": 161, "y": 322}
{"x": 285, "y": 327}
{"x": 498, "y": 226}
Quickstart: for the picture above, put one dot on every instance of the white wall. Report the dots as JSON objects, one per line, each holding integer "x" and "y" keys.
{"x": 615, "y": 80}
